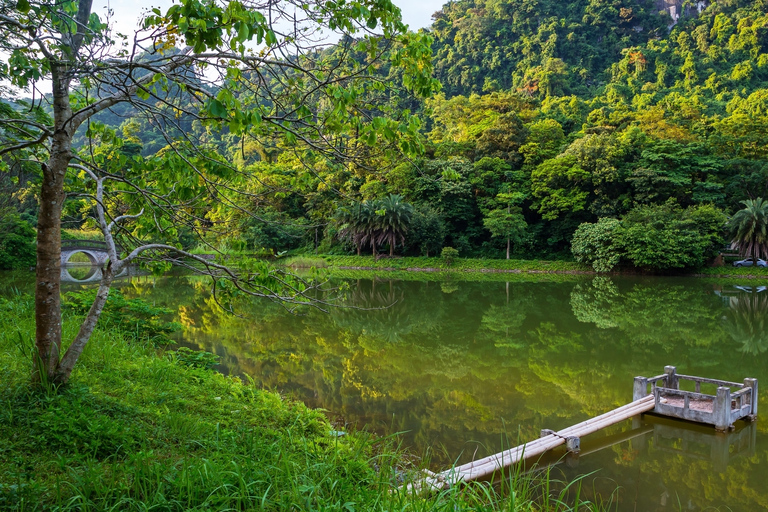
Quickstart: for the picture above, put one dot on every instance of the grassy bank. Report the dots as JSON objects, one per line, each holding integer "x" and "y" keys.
{"x": 489, "y": 266}
{"x": 731, "y": 271}
{"x": 139, "y": 429}
{"x": 437, "y": 264}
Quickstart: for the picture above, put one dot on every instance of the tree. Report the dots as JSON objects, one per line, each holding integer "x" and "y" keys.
{"x": 506, "y": 222}
{"x": 360, "y": 224}
{"x": 560, "y": 187}
{"x": 16, "y": 236}
{"x": 426, "y": 232}
{"x": 395, "y": 218}
{"x": 748, "y": 228}
{"x": 290, "y": 88}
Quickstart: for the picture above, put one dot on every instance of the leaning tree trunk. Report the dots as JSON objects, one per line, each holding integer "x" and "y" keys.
{"x": 48, "y": 270}
{"x": 64, "y": 369}
{"x": 507, "y": 247}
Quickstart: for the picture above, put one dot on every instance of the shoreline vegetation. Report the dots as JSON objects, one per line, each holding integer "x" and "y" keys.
{"x": 141, "y": 427}
{"x": 495, "y": 266}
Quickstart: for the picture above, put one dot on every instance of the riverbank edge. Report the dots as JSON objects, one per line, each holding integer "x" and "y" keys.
{"x": 154, "y": 427}
{"x": 137, "y": 423}
{"x": 489, "y": 266}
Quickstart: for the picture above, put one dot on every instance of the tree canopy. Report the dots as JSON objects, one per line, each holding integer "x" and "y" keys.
{"x": 252, "y": 70}
{"x": 221, "y": 126}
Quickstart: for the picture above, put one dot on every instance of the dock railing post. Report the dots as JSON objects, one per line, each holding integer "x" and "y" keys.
{"x": 752, "y": 383}
{"x": 672, "y": 382}
{"x": 640, "y": 390}
{"x": 722, "y": 409}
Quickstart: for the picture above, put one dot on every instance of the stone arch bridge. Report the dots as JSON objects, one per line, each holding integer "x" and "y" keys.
{"x": 95, "y": 250}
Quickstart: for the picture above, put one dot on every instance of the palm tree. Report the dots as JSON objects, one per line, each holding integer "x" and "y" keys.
{"x": 748, "y": 229}
{"x": 369, "y": 223}
{"x": 359, "y": 223}
{"x": 395, "y": 217}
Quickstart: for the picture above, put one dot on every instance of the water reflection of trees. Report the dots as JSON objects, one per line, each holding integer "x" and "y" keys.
{"x": 747, "y": 321}
{"x": 468, "y": 365}
{"x": 378, "y": 310}
{"x": 473, "y": 346}
{"x": 592, "y": 302}
{"x": 678, "y": 313}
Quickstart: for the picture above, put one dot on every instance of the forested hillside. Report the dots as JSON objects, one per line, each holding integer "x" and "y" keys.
{"x": 532, "y": 45}
{"x": 552, "y": 114}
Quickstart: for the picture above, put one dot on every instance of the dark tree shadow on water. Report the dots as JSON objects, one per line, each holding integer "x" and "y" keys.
{"x": 747, "y": 321}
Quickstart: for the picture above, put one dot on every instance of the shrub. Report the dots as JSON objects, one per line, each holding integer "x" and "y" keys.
{"x": 196, "y": 358}
{"x": 17, "y": 242}
{"x": 595, "y": 244}
{"x": 449, "y": 254}
{"x": 663, "y": 237}
{"x": 273, "y": 230}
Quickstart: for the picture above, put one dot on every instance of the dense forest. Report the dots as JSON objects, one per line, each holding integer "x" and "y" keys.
{"x": 644, "y": 122}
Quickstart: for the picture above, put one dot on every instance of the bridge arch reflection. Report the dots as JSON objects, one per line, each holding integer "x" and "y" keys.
{"x": 84, "y": 274}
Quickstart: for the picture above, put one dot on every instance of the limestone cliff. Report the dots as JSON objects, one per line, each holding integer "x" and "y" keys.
{"x": 676, "y": 8}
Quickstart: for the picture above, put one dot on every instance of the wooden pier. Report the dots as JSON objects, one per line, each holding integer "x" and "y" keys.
{"x": 732, "y": 401}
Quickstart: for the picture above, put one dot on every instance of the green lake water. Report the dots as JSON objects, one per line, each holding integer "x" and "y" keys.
{"x": 462, "y": 369}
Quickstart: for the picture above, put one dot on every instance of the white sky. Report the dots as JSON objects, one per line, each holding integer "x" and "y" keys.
{"x": 416, "y": 13}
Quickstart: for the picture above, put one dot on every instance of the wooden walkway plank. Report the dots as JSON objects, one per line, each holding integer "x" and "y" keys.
{"x": 487, "y": 466}
{"x": 662, "y": 399}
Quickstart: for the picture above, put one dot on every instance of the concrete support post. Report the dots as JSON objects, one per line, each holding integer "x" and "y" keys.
{"x": 573, "y": 444}
{"x": 672, "y": 380}
{"x": 752, "y": 383}
{"x": 640, "y": 390}
{"x": 722, "y": 409}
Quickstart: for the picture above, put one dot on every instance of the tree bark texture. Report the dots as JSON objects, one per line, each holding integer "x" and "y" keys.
{"x": 48, "y": 270}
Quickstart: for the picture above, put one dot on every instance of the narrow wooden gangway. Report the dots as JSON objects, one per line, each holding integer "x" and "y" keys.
{"x": 570, "y": 436}
{"x": 733, "y": 401}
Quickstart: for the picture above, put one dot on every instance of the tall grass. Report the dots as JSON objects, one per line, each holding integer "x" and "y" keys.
{"x": 141, "y": 430}
{"x": 304, "y": 262}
